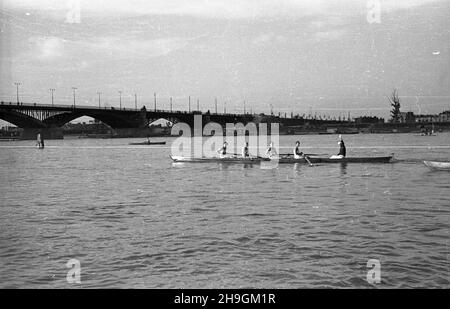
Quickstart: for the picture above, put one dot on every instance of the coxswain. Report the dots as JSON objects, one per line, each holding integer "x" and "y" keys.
{"x": 342, "y": 150}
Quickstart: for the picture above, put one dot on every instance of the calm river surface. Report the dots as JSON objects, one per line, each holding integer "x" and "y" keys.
{"x": 135, "y": 220}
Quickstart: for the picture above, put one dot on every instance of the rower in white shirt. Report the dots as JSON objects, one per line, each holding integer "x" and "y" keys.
{"x": 271, "y": 152}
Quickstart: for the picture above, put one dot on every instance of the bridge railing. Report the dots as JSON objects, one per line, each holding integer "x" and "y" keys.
{"x": 61, "y": 106}
{"x": 90, "y": 107}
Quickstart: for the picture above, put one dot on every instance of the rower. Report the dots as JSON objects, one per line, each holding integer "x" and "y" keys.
{"x": 271, "y": 151}
{"x": 245, "y": 152}
{"x": 223, "y": 151}
{"x": 297, "y": 153}
{"x": 342, "y": 150}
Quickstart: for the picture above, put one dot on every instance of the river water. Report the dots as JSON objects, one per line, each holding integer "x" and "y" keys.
{"x": 133, "y": 219}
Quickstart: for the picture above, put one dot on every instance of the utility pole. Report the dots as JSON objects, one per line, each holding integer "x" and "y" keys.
{"x": 120, "y": 99}
{"x": 135, "y": 101}
{"x": 99, "y": 99}
{"x": 170, "y": 104}
{"x": 154, "y": 95}
{"x": 17, "y": 92}
{"x": 52, "y": 91}
{"x": 74, "y": 94}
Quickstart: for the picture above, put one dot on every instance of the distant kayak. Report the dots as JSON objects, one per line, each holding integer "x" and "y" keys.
{"x": 148, "y": 143}
{"x": 437, "y": 165}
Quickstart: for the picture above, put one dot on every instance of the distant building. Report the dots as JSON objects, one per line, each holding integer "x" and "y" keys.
{"x": 426, "y": 118}
{"x": 444, "y": 116}
{"x": 407, "y": 117}
{"x": 11, "y": 129}
{"x": 367, "y": 119}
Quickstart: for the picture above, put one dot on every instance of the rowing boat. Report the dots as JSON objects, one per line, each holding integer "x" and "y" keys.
{"x": 148, "y": 143}
{"x": 253, "y": 160}
{"x": 438, "y": 166}
{"x": 337, "y": 160}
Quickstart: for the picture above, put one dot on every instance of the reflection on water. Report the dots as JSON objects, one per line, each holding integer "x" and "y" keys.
{"x": 135, "y": 219}
{"x": 343, "y": 168}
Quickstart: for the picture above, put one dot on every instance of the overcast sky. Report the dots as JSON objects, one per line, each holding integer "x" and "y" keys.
{"x": 298, "y": 55}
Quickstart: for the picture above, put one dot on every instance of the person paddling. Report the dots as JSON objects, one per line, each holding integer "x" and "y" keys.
{"x": 245, "y": 151}
{"x": 223, "y": 151}
{"x": 271, "y": 151}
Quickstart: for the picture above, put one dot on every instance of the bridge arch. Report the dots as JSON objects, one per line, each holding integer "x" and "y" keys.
{"x": 111, "y": 119}
{"x": 21, "y": 120}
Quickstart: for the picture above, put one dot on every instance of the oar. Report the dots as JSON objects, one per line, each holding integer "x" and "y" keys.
{"x": 306, "y": 154}
{"x": 250, "y": 156}
{"x": 307, "y": 160}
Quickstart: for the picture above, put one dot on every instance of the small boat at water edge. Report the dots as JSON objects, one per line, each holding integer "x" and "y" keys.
{"x": 422, "y": 134}
{"x": 241, "y": 160}
{"x": 148, "y": 143}
{"x": 437, "y": 165}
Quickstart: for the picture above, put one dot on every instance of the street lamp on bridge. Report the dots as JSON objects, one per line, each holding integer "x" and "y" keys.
{"x": 17, "y": 92}
{"x": 74, "y": 96}
{"x": 99, "y": 99}
{"x": 52, "y": 91}
{"x": 120, "y": 99}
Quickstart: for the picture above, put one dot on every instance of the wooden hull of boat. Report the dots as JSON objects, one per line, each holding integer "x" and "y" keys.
{"x": 437, "y": 166}
{"x": 237, "y": 160}
{"x": 285, "y": 160}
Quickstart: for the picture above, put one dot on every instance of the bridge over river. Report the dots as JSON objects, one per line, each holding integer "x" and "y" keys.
{"x": 49, "y": 119}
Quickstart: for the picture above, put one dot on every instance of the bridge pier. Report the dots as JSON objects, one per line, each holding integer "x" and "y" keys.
{"x": 49, "y": 133}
